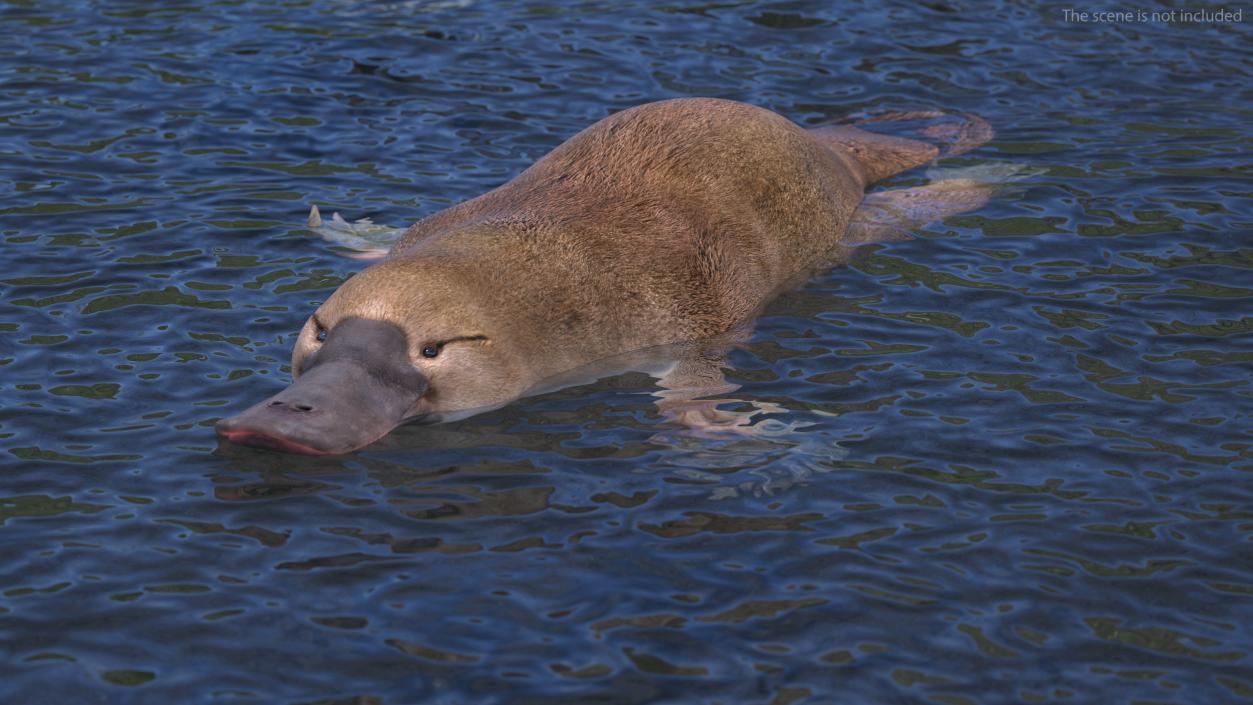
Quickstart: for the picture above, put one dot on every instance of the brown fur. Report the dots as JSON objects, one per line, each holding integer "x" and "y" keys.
{"x": 668, "y": 222}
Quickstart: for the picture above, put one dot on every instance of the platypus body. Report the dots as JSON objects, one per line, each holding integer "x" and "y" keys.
{"x": 668, "y": 222}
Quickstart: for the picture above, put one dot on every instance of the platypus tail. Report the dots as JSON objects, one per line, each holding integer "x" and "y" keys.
{"x": 880, "y": 155}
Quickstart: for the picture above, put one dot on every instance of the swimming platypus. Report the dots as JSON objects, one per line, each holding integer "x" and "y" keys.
{"x": 669, "y": 222}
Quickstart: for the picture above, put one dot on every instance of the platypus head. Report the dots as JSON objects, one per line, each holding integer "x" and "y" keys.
{"x": 399, "y": 341}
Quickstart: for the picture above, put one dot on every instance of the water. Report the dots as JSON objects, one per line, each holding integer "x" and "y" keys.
{"x": 1008, "y": 461}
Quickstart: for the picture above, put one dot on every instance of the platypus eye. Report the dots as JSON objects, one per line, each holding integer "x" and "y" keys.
{"x": 430, "y": 351}
{"x": 319, "y": 331}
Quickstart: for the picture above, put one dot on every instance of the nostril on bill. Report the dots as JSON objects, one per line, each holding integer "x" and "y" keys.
{"x": 280, "y": 404}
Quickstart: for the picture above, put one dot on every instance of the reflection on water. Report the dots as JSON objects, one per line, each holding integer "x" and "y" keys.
{"x": 1003, "y": 462}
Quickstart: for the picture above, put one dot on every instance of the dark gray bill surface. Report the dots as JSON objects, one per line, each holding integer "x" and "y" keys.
{"x": 354, "y": 389}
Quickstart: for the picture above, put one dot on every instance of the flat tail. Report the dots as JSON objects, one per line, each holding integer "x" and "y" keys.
{"x": 877, "y": 156}
{"x": 880, "y": 156}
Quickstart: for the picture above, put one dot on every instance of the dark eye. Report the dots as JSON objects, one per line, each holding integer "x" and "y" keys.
{"x": 430, "y": 351}
{"x": 321, "y": 334}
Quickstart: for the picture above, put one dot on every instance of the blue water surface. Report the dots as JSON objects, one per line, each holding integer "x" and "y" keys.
{"x": 1008, "y": 461}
